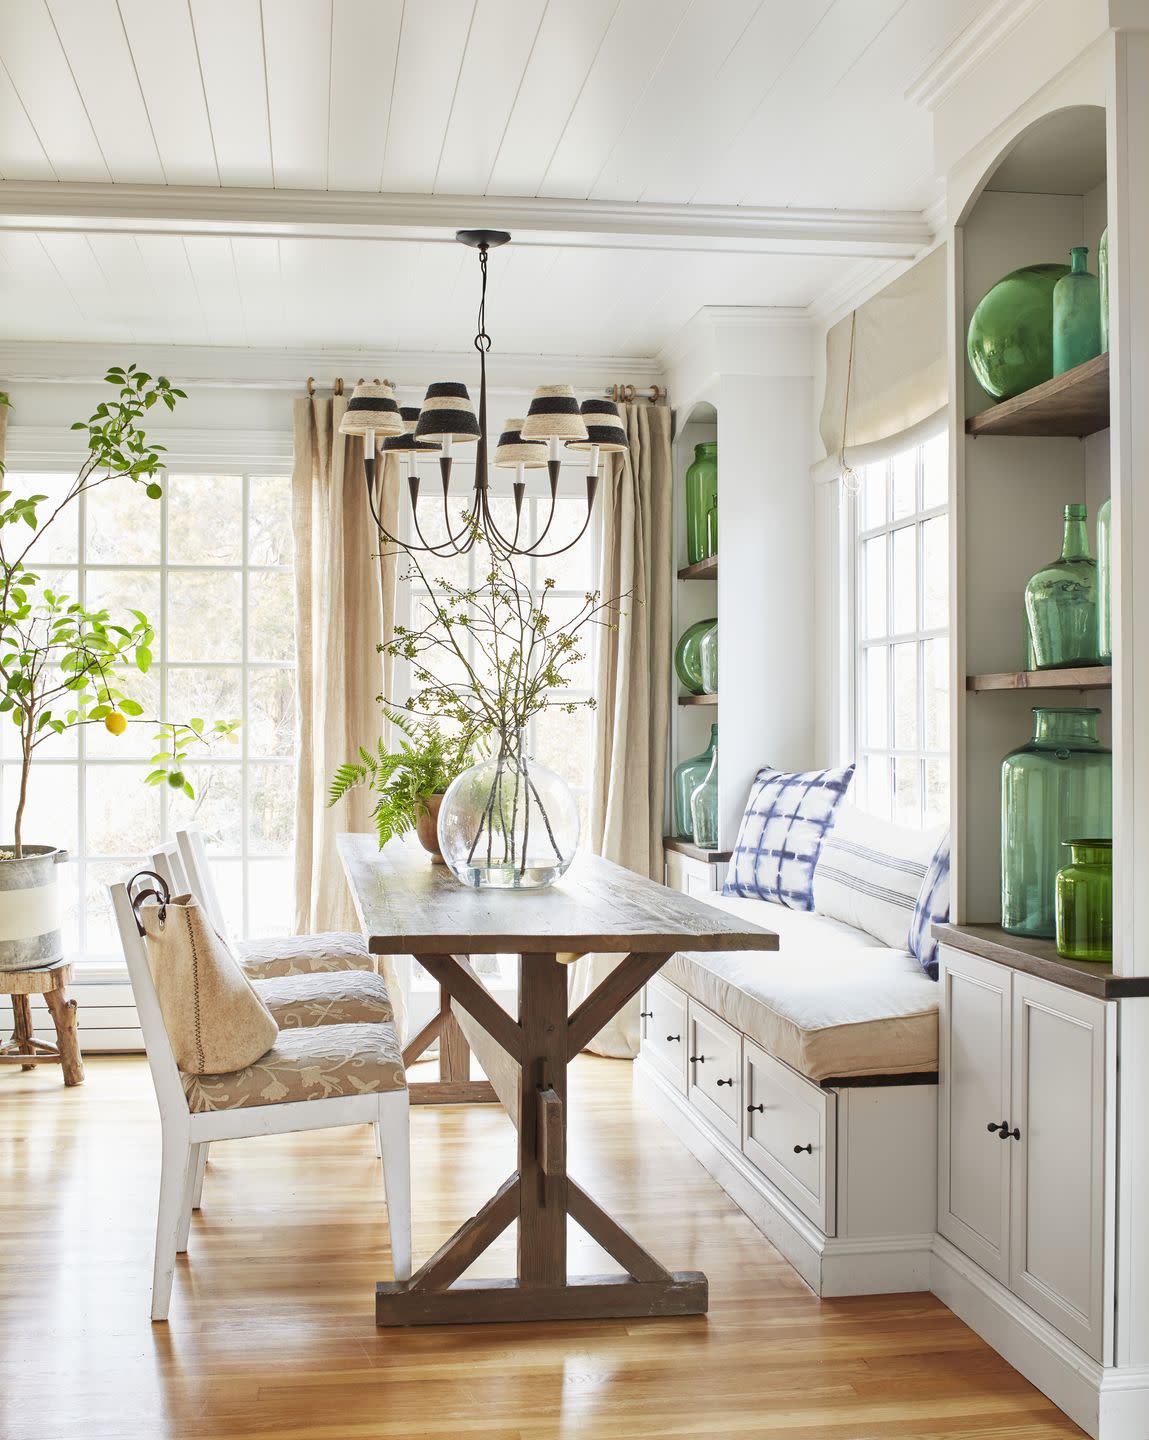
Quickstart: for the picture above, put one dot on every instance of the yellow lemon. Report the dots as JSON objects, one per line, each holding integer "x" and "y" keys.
{"x": 115, "y": 723}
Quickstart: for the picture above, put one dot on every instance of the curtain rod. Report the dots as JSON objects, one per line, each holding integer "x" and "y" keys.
{"x": 620, "y": 394}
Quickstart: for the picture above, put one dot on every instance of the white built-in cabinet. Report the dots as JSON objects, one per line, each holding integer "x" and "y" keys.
{"x": 1026, "y": 1069}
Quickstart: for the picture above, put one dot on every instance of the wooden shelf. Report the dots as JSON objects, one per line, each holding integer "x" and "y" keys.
{"x": 698, "y": 699}
{"x": 1076, "y": 403}
{"x": 1040, "y": 958}
{"x": 1083, "y": 677}
{"x": 703, "y": 570}
{"x": 687, "y": 847}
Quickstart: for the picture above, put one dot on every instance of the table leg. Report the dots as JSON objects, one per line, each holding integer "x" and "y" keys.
{"x": 540, "y": 1195}
{"x": 454, "y": 1085}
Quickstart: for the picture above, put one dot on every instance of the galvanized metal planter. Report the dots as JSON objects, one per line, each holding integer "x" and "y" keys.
{"x": 30, "y": 909}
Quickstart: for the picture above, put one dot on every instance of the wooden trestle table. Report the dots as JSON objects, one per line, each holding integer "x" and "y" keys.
{"x": 406, "y": 905}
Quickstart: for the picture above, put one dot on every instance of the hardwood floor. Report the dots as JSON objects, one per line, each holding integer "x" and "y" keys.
{"x": 271, "y": 1329}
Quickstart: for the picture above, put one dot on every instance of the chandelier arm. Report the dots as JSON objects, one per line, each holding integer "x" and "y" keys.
{"x": 451, "y": 545}
{"x": 495, "y": 535}
{"x": 536, "y": 554}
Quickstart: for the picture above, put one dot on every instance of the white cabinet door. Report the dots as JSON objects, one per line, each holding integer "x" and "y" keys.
{"x": 1061, "y": 1071}
{"x": 973, "y": 1159}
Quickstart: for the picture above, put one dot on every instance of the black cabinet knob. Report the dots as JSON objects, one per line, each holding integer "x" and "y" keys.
{"x": 725, "y": 1082}
{"x": 1014, "y": 1134}
{"x": 760, "y": 1108}
{"x": 673, "y": 1037}
{"x": 803, "y": 1149}
{"x": 1001, "y": 1130}
{"x": 698, "y": 1059}
{"x": 646, "y": 1014}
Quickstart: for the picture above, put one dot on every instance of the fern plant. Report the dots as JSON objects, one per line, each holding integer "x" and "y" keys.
{"x": 424, "y": 764}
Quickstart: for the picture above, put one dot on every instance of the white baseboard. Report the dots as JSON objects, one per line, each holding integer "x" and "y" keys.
{"x": 1108, "y": 1403}
{"x": 878, "y": 1265}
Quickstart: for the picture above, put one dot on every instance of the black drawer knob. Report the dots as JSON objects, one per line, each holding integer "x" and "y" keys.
{"x": 673, "y": 1037}
{"x": 1014, "y": 1134}
{"x": 646, "y": 1014}
{"x": 803, "y": 1149}
{"x": 760, "y": 1108}
{"x": 725, "y": 1082}
{"x": 698, "y": 1059}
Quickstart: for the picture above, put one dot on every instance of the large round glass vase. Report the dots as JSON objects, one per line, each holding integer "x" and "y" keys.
{"x": 1010, "y": 340}
{"x": 1056, "y": 787}
{"x": 702, "y": 502}
{"x": 708, "y": 659}
{"x": 509, "y": 823}
{"x": 688, "y": 658}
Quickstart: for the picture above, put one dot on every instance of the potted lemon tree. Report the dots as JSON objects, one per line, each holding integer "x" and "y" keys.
{"x": 64, "y": 664}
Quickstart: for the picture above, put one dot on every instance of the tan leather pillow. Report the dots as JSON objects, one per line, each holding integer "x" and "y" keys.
{"x": 215, "y": 1021}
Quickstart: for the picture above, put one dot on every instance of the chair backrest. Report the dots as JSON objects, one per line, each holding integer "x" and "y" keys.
{"x": 168, "y": 862}
{"x": 161, "y": 1061}
{"x": 193, "y": 853}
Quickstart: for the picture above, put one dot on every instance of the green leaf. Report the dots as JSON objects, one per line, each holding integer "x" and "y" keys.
{"x": 188, "y": 791}
{"x": 131, "y": 707}
{"x": 143, "y": 658}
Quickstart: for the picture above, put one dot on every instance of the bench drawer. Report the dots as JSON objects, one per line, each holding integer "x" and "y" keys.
{"x": 788, "y": 1134}
{"x": 714, "y": 1071}
{"x": 664, "y": 1030}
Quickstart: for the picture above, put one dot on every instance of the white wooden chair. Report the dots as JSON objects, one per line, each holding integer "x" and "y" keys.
{"x": 274, "y": 955}
{"x": 187, "y": 1130}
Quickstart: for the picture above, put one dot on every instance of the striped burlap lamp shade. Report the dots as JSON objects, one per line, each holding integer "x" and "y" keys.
{"x": 404, "y": 444}
{"x": 409, "y": 414}
{"x": 447, "y": 413}
{"x": 604, "y": 428}
{"x": 372, "y": 409}
{"x": 554, "y": 415}
{"x": 513, "y": 451}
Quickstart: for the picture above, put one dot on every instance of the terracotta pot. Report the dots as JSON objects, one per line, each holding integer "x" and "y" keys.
{"x": 427, "y": 828}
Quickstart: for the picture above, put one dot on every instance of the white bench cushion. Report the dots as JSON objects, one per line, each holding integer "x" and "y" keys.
{"x": 832, "y": 1001}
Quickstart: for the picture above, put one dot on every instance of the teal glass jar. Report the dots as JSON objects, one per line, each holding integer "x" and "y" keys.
{"x": 687, "y": 660}
{"x": 1085, "y": 901}
{"x": 702, "y": 503}
{"x": 1058, "y": 785}
{"x": 1076, "y": 315}
{"x": 1061, "y": 601}
{"x": 708, "y": 659}
{"x": 1103, "y": 287}
{"x": 1105, "y": 583}
{"x": 1010, "y": 339}
{"x": 704, "y": 809}
{"x": 687, "y": 778}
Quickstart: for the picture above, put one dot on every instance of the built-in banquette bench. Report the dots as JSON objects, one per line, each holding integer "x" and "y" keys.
{"x": 805, "y": 1081}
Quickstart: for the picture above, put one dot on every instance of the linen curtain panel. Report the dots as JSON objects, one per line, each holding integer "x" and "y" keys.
{"x": 344, "y": 609}
{"x": 628, "y": 783}
{"x": 886, "y": 370}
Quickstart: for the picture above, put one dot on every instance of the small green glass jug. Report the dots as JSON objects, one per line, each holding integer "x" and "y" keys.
{"x": 702, "y": 503}
{"x": 1076, "y": 315}
{"x": 1085, "y": 901}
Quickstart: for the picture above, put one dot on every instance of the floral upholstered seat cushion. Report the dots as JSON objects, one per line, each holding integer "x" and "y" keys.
{"x": 303, "y": 954}
{"x": 316, "y": 1062}
{"x": 339, "y": 997}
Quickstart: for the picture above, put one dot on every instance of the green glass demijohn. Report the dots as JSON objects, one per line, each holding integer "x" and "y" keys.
{"x": 1085, "y": 901}
{"x": 1056, "y": 786}
{"x": 708, "y": 659}
{"x": 1105, "y": 583}
{"x": 1010, "y": 339}
{"x": 687, "y": 778}
{"x": 1103, "y": 287}
{"x": 1076, "y": 315}
{"x": 704, "y": 808}
{"x": 702, "y": 503}
{"x": 1061, "y": 601}
{"x": 687, "y": 660}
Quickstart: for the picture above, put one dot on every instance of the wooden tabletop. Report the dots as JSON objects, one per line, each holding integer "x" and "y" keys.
{"x": 407, "y": 905}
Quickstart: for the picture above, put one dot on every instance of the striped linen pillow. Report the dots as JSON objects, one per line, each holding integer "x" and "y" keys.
{"x": 870, "y": 872}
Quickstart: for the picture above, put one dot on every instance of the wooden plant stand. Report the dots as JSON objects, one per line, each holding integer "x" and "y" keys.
{"x": 22, "y": 1049}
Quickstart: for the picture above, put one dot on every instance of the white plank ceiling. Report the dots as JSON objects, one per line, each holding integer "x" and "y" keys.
{"x": 780, "y": 103}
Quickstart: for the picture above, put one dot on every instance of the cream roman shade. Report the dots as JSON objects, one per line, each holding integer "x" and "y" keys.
{"x": 893, "y": 386}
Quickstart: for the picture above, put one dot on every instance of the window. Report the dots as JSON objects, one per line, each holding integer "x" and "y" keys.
{"x": 210, "y": 564}
{"x": 899, "y": 653}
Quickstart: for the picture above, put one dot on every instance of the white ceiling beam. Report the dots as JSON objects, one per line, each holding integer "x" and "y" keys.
{"x": 534, "y": 220}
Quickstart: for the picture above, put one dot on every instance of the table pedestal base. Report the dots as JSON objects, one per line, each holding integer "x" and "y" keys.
{"x": 582, "y": 1297}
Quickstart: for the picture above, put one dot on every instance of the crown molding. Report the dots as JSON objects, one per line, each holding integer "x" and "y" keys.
{"x": 223, "y": 366}
{"x": 964, "y": 54}
{"x": 535, "y": 220}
